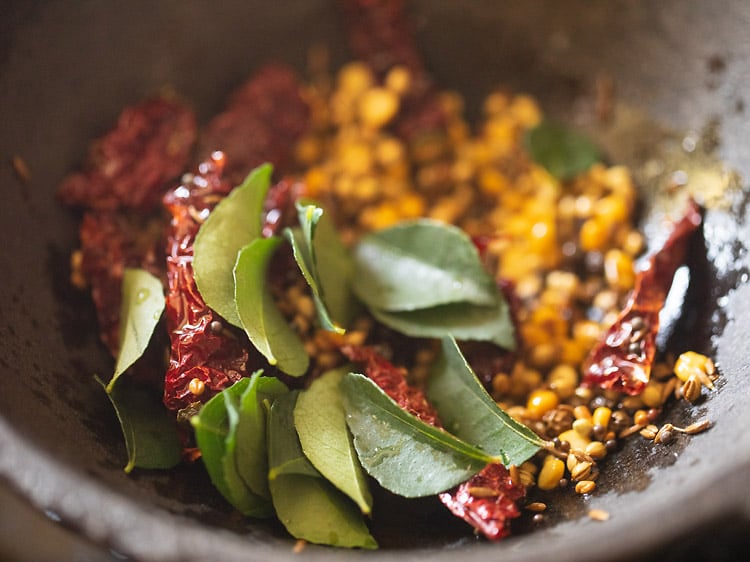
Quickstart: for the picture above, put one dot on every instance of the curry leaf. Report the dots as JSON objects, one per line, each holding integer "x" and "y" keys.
{"x": 244, "y": 498}
{"x": 335, "y": 271}
{"x": 234, "y": 223}
{"x": 564, "y": 153}
{"x": 308, "y": 506}
{"x": 264, "y": 324}
{"x": 325, "y": 265}
{"x": 216, "y": 434}
{"x": 407, "y": 456}
{"x": 470, "y": 413}
{"x": 251, "y": 452}
{"x": 303, "y": 257}
{"x": 461, "y": 320}
{"x": 320, "y": 420}
{"x": 150, "y": 432}
{"x": 420, "y": 264}
{"x": 141, "y": 308}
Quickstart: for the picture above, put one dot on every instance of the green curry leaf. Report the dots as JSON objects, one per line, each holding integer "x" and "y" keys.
{"x": 150, "y": 432}
{"x": 234, "y": 223}
{"x": 407, "y": 456}
{"x": 216, "y": 434}
{"x": 420, "y": 264}
{"x": 325, "y": 265}
{"x": 320, "y": 420}
{"x": 335, "y": 271}
{"x": 264, "y": 324}
{"x": 140, "y": 311}
{"x": 564, "y": 153}
{"x": 470, "y": 413}
{"x": 306, "y": 503}
{"x": 461, "y": 320}
{"x": 252, "y": 448}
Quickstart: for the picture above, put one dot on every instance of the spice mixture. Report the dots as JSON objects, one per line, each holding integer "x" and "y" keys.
{"x": 374, "y": 144}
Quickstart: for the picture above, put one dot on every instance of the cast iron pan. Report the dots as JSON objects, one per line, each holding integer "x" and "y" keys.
{"x": 67, "y": 68}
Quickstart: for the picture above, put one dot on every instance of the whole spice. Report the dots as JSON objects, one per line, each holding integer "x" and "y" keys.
{"x": 691, "y": 389}
{"x": 665, "y": 434}
{"x": 202, "y": 357}
{"x": 21, "y": 168}
{"x": 132, "y": 165}
{"x": 599, "y": 515}
{"x": 380, "y": 34}
{"x": 265, "y": 117}
{"x": 110, "y": 242}
{"x": 126, "y": 170}
{"x": 536, "y": 507}
{"x": 697, "y": 427}
{"x": 550, "y": 474}
{"x": 698, "y": 366}
{"x": 623, "y": 358}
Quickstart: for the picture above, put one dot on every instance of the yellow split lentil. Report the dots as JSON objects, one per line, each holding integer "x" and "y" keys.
{"x": 601, "y": 416}
{"x": 550, "y": 474}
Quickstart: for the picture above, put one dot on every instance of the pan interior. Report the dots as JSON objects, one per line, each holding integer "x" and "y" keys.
{"x": 65, "y": 72}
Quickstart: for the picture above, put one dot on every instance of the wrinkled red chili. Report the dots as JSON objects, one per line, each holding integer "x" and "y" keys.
{"x": 379, "y": 32}
{"x": 125, "y": 174}
{"x": 622, "y": 360}
{"x": 264, "y": 118}
{"x": 489, "y": 513}
{"x": 279, "y": 208}
{"x": 487, "y": 359}
{"x": 202, "y": 345}
{"x": 110, "y": 242}
{"x": 392, "y": 381}
{"x": 133, "y": 164}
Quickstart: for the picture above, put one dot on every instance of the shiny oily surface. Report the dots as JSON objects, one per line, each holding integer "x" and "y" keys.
{"x": 71, "y": 464}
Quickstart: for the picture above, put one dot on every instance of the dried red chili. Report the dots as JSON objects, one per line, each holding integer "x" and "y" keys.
{"x": 279, "y": 207}
{"x": 392, "y": 381}
{"x": 380, "y": 34}
{"x": 203, "y": 346}
{"x": 487, "y": 501}
{"x": 132, "y": 165}
{"x": 487, "y": 359}
{"x": 110, "y": 242}
{"x": 265, "y": 117}
{"x": 622, "y": 360}
{"x": 125, "y": 174}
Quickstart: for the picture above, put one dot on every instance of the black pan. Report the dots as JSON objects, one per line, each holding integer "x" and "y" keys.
{"x": 67, "y": 68}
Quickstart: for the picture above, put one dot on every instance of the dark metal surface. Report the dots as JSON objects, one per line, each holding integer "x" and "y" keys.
{"x": 66, "y": 69}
